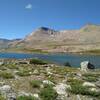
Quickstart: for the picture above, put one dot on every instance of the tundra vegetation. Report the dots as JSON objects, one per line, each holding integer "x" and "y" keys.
{"x": 39, "y": 79}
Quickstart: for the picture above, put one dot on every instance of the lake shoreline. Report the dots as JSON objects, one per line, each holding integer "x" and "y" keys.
{"x": 58, "y": 58}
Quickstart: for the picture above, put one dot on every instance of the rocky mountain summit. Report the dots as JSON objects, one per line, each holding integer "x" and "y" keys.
{"x": 45, "y": 39}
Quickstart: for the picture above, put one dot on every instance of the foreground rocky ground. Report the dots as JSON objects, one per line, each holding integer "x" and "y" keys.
{"x": 25, "y": 81}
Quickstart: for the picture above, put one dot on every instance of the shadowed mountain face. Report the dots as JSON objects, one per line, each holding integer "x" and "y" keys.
{"x": 86, "y": 38}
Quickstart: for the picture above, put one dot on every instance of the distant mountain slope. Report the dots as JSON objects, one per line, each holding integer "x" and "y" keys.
{"x": 86, "y": 38}
{"x": 4, "y": 43}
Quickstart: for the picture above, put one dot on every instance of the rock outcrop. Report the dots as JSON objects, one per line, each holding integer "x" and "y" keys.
{"x": 86, "y": 65}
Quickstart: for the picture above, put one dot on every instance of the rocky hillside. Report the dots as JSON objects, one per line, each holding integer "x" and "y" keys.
{"x": 45, "y": 39}
{"x": 20, "y": 80}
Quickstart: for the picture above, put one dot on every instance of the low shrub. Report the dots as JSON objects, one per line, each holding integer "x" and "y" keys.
{"x": 74, "y": 81}
{"x": 23, "y": 73}
{"x": 38, "y": 62}
{"x": 67, "y": 64}
{"x": 6, "y": 75}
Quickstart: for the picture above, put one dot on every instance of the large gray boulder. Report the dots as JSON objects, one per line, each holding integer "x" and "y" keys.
{"x": 86, "y": 65}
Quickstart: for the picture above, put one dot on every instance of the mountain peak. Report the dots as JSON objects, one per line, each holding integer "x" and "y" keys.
{"x": 45, "y": 29}
{"x": 90, "y": 27}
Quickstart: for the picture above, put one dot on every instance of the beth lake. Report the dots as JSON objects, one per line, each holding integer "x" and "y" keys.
{"x": 73, "y": 59}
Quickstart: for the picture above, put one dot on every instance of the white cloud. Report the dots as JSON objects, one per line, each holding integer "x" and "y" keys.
{"x": 29, "y": 6}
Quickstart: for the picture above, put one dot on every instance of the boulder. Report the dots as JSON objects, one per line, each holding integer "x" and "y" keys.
{"x": 5, "y": 89}
{"x": 7, "y": 92}
{"x": 61, "y": 88}
{"x": 61, "y": 91}
{"x": 86, "y": 65}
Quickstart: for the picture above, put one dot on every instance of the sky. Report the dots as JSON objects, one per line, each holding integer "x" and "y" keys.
{"x": 20, "y": 17}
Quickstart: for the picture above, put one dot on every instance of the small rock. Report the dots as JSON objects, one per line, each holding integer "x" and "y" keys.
{"x": 98, "y": 83}
{"x": 49, "y": 73}
{"x": 36, "y": 95}
{"x": 78, "y": 97}
{"x": 94, "y": 89}
{"x": 11, "y": 96}
{"x": 89, "y": 84}
{"x": 48, "y": 82}
{"x": 22, "y": 93}
{"x": 2, "y": 83}
{"x": 35, "y": 71}
{"x": 79, "y": 74}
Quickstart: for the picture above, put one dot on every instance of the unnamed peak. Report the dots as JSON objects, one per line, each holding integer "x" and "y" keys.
{"x": 45, "y": 29}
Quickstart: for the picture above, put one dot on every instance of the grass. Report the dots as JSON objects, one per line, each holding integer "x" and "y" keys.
{"x": 74, "y": 81}
{"x": 91, "y": 77}
{"x": 52, "y": 79}
{"x": 48, "y": 93}
{"x": 64, "y": 70}
{"x": 6, "y": 75}
{"x": 35, "y": 83}
{"x": 1, "y": 97}
{"x": 26, "y": 98}
{"x": 78, "y": 88}
{"x": 23, "y": 73}
{"x": 12, "y": 66}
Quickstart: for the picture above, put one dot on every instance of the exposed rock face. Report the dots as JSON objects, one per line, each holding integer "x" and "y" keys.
{"x": 86, "y": 65}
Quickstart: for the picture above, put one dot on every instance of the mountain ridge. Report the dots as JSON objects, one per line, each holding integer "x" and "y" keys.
{"x": 46, "y": 39}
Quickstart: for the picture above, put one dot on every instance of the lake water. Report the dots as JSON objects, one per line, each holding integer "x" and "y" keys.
{"x": 73, "y": 59}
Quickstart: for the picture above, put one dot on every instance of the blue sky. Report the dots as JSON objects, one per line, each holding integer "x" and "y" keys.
{"x": 20, "y": 17}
